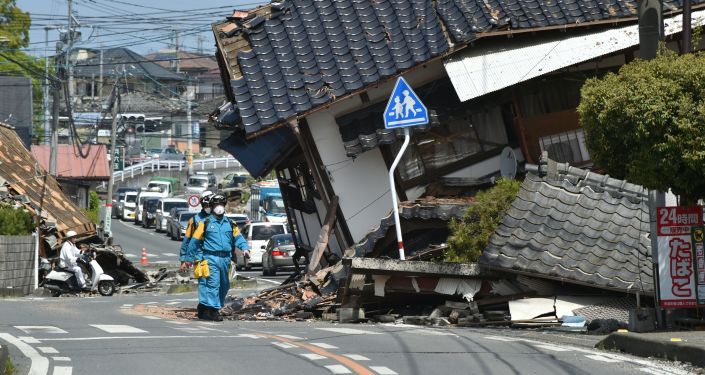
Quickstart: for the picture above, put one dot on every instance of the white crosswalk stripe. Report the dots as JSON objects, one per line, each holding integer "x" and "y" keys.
{"x": 40, "y": 329}
{"x": 312, "y": 356}
{"x": 118, "y": 328}
{"x": 338, "y": 369}
{"x": 357, "y": 357}
{"x": 47, "y": 350}
{"x": 170, "y": 254}
{"x": 350, "y": 331}
{"x": 63, "y": 370}
{"x": 324, "y": 345}
{"x": 382, "y": 370}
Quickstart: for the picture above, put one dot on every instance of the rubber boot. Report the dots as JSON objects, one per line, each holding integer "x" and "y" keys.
{"x": 200, "y": 311}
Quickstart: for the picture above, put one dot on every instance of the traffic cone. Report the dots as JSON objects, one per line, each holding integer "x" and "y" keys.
{"x": 144, "y": 260}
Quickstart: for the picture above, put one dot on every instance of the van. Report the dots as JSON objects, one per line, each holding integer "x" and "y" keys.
{"x": 155, "y": 192}
{"x": 164, "y": 208}
{"x": 257, "y": 235}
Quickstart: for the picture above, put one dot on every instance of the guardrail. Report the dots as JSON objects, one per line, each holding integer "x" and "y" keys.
{"x": 150, "y": 166}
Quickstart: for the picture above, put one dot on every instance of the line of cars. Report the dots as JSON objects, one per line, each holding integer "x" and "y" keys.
{"x": 271, "y": 244}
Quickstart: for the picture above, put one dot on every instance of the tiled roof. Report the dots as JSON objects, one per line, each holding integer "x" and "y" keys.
{"x": 576, "y": 226}
{"x": 190, "y": 61}
{"x": 291, "y": 56}
{"x": 71, "y": 165}
{"x": 428, "y": 208}
{"x": 116, "y": 59}
{"x": 25, "y": 177}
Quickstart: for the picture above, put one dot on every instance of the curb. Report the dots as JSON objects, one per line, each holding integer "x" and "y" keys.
{"x": 639, "y": 345}
{"x": 4, "y": 354}
{"x": 190, "y": 287}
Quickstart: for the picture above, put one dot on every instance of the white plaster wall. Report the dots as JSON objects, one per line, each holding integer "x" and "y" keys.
{"x": 485, "y": 167}
{"x": 362, "y": 184}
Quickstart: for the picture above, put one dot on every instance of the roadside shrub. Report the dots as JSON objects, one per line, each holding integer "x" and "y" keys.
{"x": 15, "y": 222}
{"x": 93, "y": 207}
{"x": 470, "y": 236}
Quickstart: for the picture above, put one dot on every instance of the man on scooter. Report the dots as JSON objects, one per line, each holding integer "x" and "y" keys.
{"x": 68, "y": 256}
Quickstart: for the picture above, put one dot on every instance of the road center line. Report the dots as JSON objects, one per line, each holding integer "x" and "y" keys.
{"x": 354, "y": 366}
{"x": 39, "y": 364}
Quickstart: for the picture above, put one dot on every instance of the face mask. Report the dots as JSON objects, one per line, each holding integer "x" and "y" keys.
{"x": 207, "y": 209}
{"x": 219, "y": 210}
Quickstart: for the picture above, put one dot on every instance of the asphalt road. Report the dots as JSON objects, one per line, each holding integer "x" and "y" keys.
{"x": 113, "y": 335}
{"x": 162, "y": 251}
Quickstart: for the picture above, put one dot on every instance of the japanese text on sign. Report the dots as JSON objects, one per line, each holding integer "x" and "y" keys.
{"x": 677, "y": 286}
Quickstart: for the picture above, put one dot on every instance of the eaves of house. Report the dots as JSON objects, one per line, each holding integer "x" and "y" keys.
{"x": 292, "y": 57}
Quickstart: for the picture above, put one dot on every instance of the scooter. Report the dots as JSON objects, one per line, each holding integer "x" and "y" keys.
{"x": 61, "y": 280}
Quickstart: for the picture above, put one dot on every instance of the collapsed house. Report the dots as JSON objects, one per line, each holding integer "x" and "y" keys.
{"x": 25, "y": 184}
{"x": 307, "y": 84}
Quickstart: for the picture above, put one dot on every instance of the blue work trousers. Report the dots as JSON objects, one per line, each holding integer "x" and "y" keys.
{"x": 212, "y": 290}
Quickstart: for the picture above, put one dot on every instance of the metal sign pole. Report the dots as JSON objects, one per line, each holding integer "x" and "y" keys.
{"x": 407, "y": 138}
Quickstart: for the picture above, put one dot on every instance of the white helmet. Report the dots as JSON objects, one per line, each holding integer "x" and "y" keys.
{"x": 206, "y": 193}
{"x": 71, "y": 233}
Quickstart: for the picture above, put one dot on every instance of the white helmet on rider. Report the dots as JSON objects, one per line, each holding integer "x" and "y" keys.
{"x": 71, "y": 233}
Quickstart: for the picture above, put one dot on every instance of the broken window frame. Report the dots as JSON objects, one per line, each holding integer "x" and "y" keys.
{"x": 575, "y": 153}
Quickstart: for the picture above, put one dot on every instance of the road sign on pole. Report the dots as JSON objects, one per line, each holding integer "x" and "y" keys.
{"x": 194, "y": 201}
{"x": 404, "y": 109}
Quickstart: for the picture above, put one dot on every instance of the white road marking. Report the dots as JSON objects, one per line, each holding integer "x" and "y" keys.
{"x": 117, "y": 328}
{"x": 39, "y": 365}
{"x": 188, "y": 329}
{"x": 173, "y": 303}
{"x": 602, "y": 358}
{"x": 552, "y": 348}
{"x": 248, "y": 335}
{"x": 61, "y": 359}
{"x": 99, "y": 338}
{"x": 40, "y": 329}
{"x": 651, "y": 371}
{"x": 130, "y": 255}
{"x": 151, "y": 317}
{"x": 161, "y": 262}
{"x": 313, "y": 356}
{"x": 170, "y": 254}
{"x": 283, "y": 345}
{"x": 500, "y": 338}
{"x": 176, "y": 322}
{"x": 350, "y": 331}
{"x": 63, "y": 370}
{"x": 357, "y": 357}
{"x": 290, "y": 337}
{"x": 324, "y": 345}
{"x": 126, "y": 306}
{"x": 382, "y": 370}
{"x": 149, "y": 303}
{"x": 338, "y": 369}
{"x": 29, "y": 340}
{"x": 47, "y": 350}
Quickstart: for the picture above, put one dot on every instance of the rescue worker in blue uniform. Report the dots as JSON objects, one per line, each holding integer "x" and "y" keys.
{"x": 185, "y": 257}
{"x": 215, "y": 240}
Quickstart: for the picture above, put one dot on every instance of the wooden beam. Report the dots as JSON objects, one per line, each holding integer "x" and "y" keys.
{"x": 324, "y": 236}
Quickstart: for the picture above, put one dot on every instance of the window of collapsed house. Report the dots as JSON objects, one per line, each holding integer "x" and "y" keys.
{"x": 300, "y": 188}
{"x": 567, "y": 147}
{"x": 462, "y": 135}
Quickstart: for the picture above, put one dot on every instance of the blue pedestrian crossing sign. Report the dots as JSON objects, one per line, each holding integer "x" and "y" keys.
{"x": 404, "y": 107}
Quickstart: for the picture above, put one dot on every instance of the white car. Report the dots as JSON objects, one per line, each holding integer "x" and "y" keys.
{"x": 164, "y": 211}
{"x": 143, "y": 195}
{"x": 257, "y": 235}
{"x": 128, "y": 205}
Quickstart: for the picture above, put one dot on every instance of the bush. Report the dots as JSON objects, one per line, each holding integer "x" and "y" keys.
{"x": 15, "y": 222}
{"x": 470, "y": 236}
{"x": 93, "y": 210}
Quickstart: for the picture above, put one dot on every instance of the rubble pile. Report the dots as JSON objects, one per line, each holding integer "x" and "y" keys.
{"x": 299, "y": 300}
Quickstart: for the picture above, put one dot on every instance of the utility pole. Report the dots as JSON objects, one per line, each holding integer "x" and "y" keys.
{"x": 685, "y": 48}
{"x": 47, "y": 124}
{"x": 55, "y": 100}
{"x": 189, "y": 135}
{"x": 107, "y": 230}
{"x": 69, "y": 35}
{"x": 100, "y": 74}
{"x": 178, "y": 59}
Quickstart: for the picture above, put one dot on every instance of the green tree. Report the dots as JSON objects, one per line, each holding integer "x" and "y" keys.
{"x": 645, "y": 123}
{"x": 15, "y": 222}
{"x": 470, "y": 236}
{"x": 93, "y": 211}
{"x": 14, "y": 35}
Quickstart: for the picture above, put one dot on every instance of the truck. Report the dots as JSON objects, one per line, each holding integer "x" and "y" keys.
{"x": 167, "y": 186}
{"x": 266, "y": 203}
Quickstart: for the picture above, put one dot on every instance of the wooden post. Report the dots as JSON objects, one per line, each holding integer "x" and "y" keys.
{"x": 323, "y": 236}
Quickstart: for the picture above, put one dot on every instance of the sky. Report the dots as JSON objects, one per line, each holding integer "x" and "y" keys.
{"x": 128, "y": 23}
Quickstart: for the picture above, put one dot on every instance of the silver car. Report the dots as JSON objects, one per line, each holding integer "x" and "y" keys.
{"x": 178, "y": 223}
